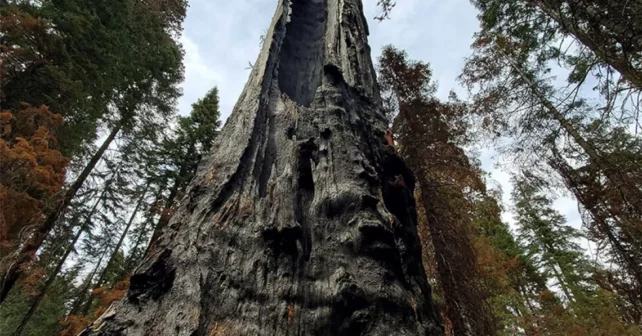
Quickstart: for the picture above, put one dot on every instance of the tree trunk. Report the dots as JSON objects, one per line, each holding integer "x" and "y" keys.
{"x": 623, "y": 244}
{"x": 122, "y": 239}
{"x": 166, "y": 214}
{"x": 133, "y": 259}
{"x": 601, "y": 30}
{"x": 112, "y": 257}
{"x": 296, "y": 225}
{"x": 12, "y": 267}
{"x": 630, "y": 194}
{"x": 75, "y": 308}
{"x": 43, "y": 290}
{"x": 455, "y": 260}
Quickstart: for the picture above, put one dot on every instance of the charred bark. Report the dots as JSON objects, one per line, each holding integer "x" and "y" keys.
{"x": 297, "y": 224}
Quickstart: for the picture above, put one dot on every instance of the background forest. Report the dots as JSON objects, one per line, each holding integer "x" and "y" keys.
{"x": 107, "y": 107}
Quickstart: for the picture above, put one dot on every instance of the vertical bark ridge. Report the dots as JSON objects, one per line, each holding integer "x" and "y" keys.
{"x": 302, "y": 220}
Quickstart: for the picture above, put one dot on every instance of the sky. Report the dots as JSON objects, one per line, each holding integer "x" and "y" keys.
{"x": 222, "y": 37}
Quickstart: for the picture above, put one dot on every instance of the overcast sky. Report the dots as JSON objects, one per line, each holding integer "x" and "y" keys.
{"x": 222, "y": 37}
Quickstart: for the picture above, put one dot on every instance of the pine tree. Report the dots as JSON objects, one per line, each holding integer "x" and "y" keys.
{"x": 554, "y": 129}
{"x": 49, "y": 313}
{"x": 33, "y": 170}
{"x": 550, "y": 243}
{"x": 610, "y": 29}
{"x": 510, "y": 275}
{"x": 150, "y": 157}
{"x": 41, "y": 291}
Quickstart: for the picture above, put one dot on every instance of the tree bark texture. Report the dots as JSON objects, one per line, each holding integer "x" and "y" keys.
{"x": 302, "y": 221}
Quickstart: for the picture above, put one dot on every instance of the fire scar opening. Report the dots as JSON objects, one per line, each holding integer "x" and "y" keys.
{"x": 302, "y": 52}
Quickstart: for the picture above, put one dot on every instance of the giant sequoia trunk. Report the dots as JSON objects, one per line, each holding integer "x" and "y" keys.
{"x": 302, "y": 221}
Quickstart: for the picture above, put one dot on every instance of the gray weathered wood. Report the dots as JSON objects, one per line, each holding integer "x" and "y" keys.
{"x": 302, "y": 221}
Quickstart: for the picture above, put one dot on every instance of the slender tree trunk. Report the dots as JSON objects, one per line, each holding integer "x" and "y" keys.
{"x": 628, "y": 255}
{"x": 526, "y": 298}
{"x": 141, "y": 235}
{"x": 12, "y": 267}
{"x": 114, "y": 253}
{"x": 631, "y": 196}
{"x": 553, "y": 111}
{"x": 75, "y": 308}
{"x": 166, "y": 214}
{"x": 185, "y": 176}
{"x": 296, "y": 225}
{"x": 139, "y": 240}
{"x": 43, "y": 290}
{"x": 561, "y": 279}
{"x": 464, "y": 299}
{"x": 598, "y": 44}
{"x": 122, "y": 238}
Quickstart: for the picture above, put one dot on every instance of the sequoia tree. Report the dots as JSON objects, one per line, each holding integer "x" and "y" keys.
{"x": 431, "y": 135}
{"x": 302, "y": 220}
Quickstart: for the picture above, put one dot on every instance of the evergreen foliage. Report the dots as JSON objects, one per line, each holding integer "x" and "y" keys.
{"x": 430, "y": 136}
{"x": 78, "y": 216}
{"x": 537, "y": 281}
{"x": 54, "y": 44}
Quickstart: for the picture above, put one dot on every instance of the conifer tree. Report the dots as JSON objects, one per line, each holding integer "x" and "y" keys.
{"x": 33, "y": 171}
{"x": 551, "y": 127}
{"x": 50, "y": 312}
{"x": 41, "y": 291}
{"x": 549, "y": 242}
{"x": 143, "y": 88}
{"x": 609, "y": 29}
{"x": 183, "y": 151}
{"x": 511, "y": 277}
{"x": 586, "y": 308}
{"x": 430, "y": 136}
{"x": 154, "y": 158}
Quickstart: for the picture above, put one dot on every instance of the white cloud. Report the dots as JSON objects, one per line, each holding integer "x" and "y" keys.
{"x": 199, "y": 76}
{"x": 222, "y": 36}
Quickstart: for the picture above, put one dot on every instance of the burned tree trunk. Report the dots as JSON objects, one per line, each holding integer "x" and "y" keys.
{"x": 303, "y": 219}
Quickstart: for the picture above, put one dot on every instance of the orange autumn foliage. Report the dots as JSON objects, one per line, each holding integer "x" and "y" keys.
{"x": 74, "y": 324}
{"x": 431, "y": 136}
{"x": 107, "y": 296}
{"x": 31, "y": 283}
{"x": 493, "y": 264}
{"x": 33, "y": 170}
